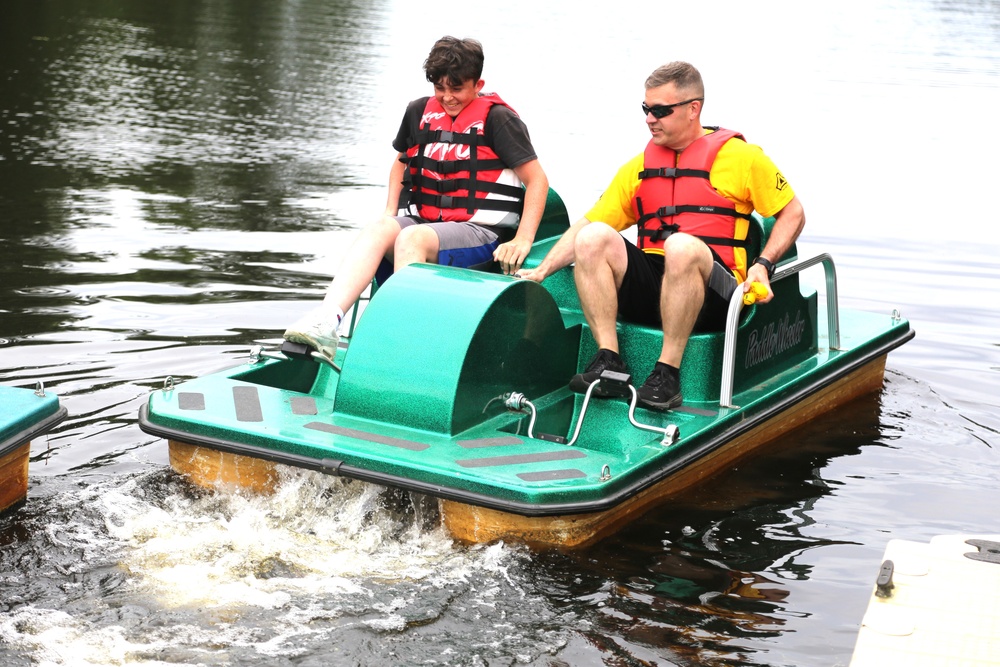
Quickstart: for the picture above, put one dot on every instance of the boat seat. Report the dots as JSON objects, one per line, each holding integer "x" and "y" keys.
{"x": 640, "y": 345}
{"x": 555, "y": 221}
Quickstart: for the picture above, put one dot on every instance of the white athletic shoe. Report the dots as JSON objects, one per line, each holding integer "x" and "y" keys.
{"x": 318, "y": 330}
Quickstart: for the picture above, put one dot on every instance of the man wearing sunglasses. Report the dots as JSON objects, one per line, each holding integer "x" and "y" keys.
{"x": 690, "y": 193}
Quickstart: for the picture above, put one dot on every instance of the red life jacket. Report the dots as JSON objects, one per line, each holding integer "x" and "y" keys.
{"x": 453, "y": 175}
{"x": 675, "y": 195}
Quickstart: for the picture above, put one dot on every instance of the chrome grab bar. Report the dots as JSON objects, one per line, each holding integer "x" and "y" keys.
{"x": 736, "y": 305}
{"x": 355, "y": 310}
{"x": 517, "y": 402}
{"x": 670, "y": 432}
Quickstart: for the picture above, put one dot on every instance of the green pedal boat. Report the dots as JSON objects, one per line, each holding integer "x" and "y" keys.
{"x": 24, "y": 415}
{"x": 453, "y": 384}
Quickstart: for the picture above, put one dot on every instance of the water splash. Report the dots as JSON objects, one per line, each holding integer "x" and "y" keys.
{"x": 319, "y": 568}
{"x": 316, "y": 536}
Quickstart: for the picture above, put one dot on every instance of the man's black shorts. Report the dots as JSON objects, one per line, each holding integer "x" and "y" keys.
{"x": 639, "y": 296}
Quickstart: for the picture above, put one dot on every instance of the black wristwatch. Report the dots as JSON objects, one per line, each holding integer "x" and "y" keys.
{"x": 767, "y": 264}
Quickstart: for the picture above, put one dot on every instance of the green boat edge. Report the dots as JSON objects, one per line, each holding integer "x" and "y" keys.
{"x": 25, "y": 414}
{"x": 437, "y": 344}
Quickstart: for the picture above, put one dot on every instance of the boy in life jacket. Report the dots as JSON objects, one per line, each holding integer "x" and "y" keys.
{"x": 465, "y": 187}
{"x": 690, "y": 193}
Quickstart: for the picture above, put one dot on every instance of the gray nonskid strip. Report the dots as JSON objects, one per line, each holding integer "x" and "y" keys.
{"x": 517, "y": 459}
{"x": 370, "y": 437}
{"x": 491, "y": 442}
{"x": 247, "y": 404}
{"x": 696, "y": 411}
{"x": 551, "y": 475}
{"x": 190, "y": 400}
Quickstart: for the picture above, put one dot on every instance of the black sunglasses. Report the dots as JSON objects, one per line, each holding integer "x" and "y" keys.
{"x": 664, "y": 110}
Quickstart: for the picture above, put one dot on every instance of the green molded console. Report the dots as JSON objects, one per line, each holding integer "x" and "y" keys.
{"x": 437, "y": 344}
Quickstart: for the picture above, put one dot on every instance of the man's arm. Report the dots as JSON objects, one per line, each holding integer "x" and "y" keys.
{"x": 562, "y": 254}
{"x": 788, "y": 224}
{"x": 511, "y": 255}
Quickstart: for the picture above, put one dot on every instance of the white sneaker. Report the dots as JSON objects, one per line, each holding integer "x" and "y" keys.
{"x": 318, "y": 330}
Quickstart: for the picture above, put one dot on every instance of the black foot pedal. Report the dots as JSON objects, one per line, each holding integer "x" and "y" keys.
{"x": 296, "y": 350}
{"x": 615, "y": 384}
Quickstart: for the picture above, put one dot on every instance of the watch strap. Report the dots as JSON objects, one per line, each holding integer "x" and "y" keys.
{"x": 767, "y": 264}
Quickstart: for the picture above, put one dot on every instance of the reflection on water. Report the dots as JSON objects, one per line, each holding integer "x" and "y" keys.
{"x": 163, "y": 100}
{"x": 178, "y": 182}
{"x": 714, "y": 575}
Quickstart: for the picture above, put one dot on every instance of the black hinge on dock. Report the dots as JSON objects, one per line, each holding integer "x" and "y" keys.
{"x": 883, "y": 584}
{"x": 989, "y": 551}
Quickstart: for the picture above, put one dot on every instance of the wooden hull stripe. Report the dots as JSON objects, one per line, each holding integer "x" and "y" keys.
{"x": 518, "y": 459}
{"x": 370, "y": 437}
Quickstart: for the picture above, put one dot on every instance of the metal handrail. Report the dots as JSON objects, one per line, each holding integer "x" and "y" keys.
{"x": 518, "y": 402}
{"x": 736, "y": 305}
{"x": 366, "y": 296}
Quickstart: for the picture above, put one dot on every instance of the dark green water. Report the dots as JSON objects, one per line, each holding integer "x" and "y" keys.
{"x": 178, "y": 182}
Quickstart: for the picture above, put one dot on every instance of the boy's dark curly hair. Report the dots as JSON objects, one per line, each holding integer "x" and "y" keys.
{"x": 456, "y": 60}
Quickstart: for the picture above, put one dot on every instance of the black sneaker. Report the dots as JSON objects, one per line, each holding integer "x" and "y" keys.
{"x": 662, "y": 389}
{"x": 604, "y": 360}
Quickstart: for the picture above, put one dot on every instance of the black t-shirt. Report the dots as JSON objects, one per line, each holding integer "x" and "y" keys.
{"x": 504, "y": 132}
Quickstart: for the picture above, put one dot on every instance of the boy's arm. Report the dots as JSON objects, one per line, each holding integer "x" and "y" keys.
{"x": 395, "y": 186}
{"x": 511, "y": 255}
{"x": 562, "y": 254}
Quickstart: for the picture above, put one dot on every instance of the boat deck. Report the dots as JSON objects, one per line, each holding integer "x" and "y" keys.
{"x": 454, "y": 384}
{"x": 285, "y": 411}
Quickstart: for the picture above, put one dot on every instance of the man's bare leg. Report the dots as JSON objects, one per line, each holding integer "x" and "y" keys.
{"x": 601, "y": 261}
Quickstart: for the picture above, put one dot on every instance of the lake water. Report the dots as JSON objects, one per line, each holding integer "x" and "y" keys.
{"x": 179, "y": 181}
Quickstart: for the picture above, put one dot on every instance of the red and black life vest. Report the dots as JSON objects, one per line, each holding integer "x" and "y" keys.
{"x": 453, "y": 174}
{"x": 675, "y": 195}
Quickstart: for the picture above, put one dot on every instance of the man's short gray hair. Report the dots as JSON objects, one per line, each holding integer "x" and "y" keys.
{"x": 683, "y": 75}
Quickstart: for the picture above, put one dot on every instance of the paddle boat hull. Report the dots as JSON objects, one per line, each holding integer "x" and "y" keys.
{"x": 24, "y": 415}
{"x": 454, "y": 384}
